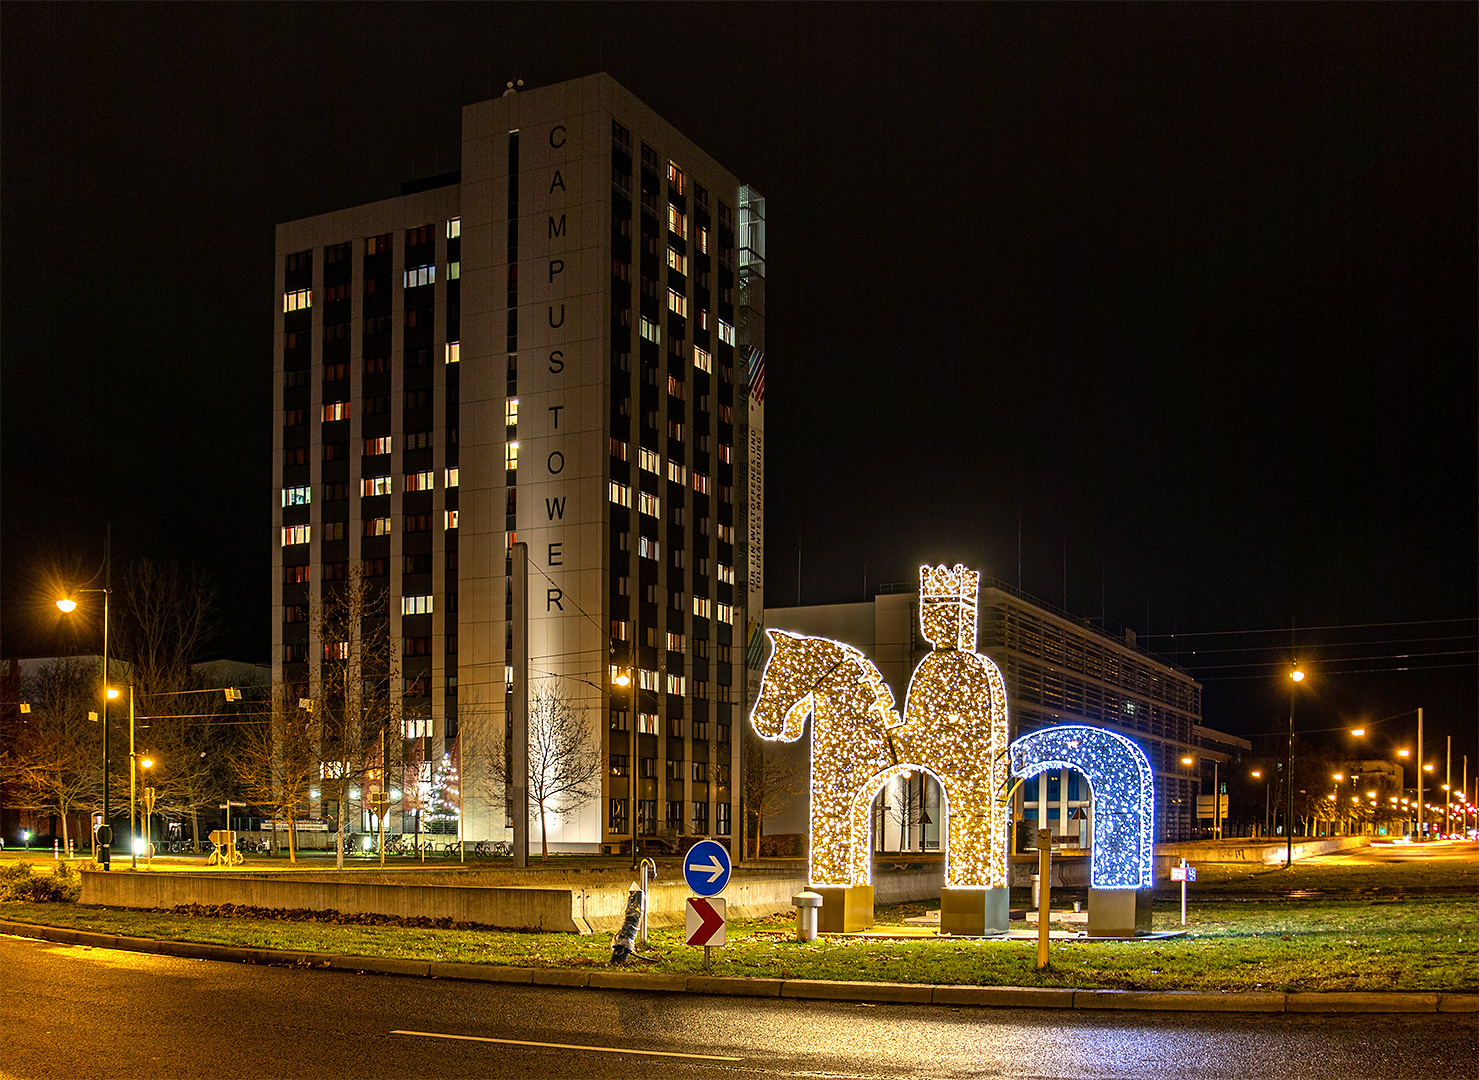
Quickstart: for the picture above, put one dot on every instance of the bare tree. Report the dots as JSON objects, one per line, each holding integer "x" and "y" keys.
{"x": 564, "y": 769}
{"x": 357, "y": 698}
{"x": 53, "y": 763}
{"x": 772, "y": 780}
{"x": 275, "y": 761}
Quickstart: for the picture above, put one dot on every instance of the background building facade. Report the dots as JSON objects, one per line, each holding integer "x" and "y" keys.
{"x": 557, "y": 345}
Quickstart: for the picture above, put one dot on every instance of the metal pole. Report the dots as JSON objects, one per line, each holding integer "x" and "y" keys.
{"x": 1448, "y": 788}
{"x": 1419, "y": 774}
{"x": 518, "y": 765}
{"x": 1289, "y": 783}
{"x": 1044, "y": 865}
{"x": 103, "y": 849}
{"x": 1183, "y": 891}
{"x": 1216, "y": 804}
{"x": 133, "y": 853}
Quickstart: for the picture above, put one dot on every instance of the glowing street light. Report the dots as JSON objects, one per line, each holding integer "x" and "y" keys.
{"x": 67, "y": 605}
{"x": 1297, "y": 676}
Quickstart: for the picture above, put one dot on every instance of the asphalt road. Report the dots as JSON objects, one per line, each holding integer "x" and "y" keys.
{"x": 68, "y": 1011}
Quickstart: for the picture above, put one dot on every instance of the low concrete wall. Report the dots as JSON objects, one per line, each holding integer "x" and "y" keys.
{"x": 1260, "y": 851}
{"x": 559, "y": 908}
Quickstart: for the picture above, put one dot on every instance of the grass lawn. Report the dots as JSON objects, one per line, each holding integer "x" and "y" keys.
{"x": 1411, "y": 926}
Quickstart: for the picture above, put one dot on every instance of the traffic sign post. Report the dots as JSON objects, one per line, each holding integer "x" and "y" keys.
{"x": 1183, "y": 874}
{"x": 706, "y": 867}
{"x": 705, "y": 923}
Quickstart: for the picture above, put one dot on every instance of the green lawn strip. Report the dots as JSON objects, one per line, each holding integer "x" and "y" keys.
{"x": 1421, "y": 944}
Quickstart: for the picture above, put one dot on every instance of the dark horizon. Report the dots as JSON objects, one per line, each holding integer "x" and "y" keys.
{"x": 1165, "y": 314}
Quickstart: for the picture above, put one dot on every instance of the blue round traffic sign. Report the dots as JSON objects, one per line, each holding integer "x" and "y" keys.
{"x": 706, "y": 867}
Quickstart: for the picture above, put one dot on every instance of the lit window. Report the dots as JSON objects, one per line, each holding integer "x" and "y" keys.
{"x": 726, "y": 454}
{"x": 676, "y": 684}
{"x": 418, "y": 727}
{"x": 297, "y": 300}
{"x": 454, "y": 271}
{"x": 336, "y": 410}
{"x": 420, "y": 481}
{"x": 648, "y": 724}
{"x": 677, "y": 302}
{"x": 650, "y": 330}
{"x": 375, "y": 485}
{"x": 649, "y": 680}
{"x": 677, "y": 223}
{"x": 375, "y": 447}
{"x": 297, "y": 496}
{"x": 511, "y": 412}
{"x": 700, "y": 484}
{"x": 726, "y": 574}
{"x": 450, "y": 519}
{"x": 648, "y": 548}
{"x": 511, "y": 456}
{"x": 420, "y": 275}
{"x": 648, "y": 459}
{"x": 726, "y": 332}
{"x": 454, "y": 228}
{"x": 675, "y": 642}
{"x": 415, "y": 605}
{"x": 675, "y": 179}
{"x": 649, "y": 504}
{"x": 677, "y": 262}
{"x": 294, "y": 534}
{"x": 726, "y": 534}
{"x": 452, "y": 476}
{"x": 676, "y": 473}
{"x": 702, "y": 360}
{"x": 618, "y": 449}
{"x": 620, "y": 494}
{"x": 377, "y": 526}
{"x": 725, "y": 612}
{"x": 703, "y": 240}
{"x": 702, "y": 607}
{"x": 454, "y": 351}
{"x": 703, "y": 319}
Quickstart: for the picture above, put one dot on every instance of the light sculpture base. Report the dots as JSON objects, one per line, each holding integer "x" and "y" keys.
{"x": 845, "y": 908}
{"x": 974, "y": 912}
{"x": 1119, "y": 912}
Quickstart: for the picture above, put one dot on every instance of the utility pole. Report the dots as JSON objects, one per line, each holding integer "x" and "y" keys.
{"x": 1419, "y": 774}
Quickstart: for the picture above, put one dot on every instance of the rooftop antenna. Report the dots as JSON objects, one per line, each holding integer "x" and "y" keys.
{"x": 512, "y": 87}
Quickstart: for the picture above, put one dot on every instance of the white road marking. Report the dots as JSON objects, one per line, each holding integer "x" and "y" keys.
{"x": 565, "y": 1046}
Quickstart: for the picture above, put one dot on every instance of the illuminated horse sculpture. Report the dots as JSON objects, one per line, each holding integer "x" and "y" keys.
{"x": 954, "y": 727}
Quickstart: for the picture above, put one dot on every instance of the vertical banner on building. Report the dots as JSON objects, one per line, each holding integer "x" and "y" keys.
{"x": 752, "y": 322}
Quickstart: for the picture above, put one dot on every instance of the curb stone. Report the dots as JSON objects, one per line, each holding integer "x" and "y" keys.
{"x": 815, "y": 989}
{"x": 1362, "y": 1002}
{"x": 1181, "y": 1000}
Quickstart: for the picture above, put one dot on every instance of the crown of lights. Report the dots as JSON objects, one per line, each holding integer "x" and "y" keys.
{"x": 947, "y": 606}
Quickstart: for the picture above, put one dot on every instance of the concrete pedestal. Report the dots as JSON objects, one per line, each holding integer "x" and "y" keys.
{"x": 1119, "y": 912}
{"x": 845, "y": 908}
{"x": 974, "y": 912}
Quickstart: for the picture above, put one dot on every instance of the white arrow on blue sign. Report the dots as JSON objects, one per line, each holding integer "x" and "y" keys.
{"x": 706, "y": 867}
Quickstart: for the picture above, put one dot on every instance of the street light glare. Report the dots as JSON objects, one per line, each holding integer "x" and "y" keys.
{"x": 1297, "y": 675}
{"x": 67, "y": 605}
{"x": 112, "y": 693}
{"x": 622, "y": 680}
{"x": 1358, "y": 731}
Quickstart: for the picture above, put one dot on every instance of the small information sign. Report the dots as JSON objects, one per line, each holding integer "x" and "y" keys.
{"x": 706, "y": 920}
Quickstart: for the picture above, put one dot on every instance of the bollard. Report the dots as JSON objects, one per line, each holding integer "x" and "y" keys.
{"x": 56, "y": 850}
{"x": 806, "y": 904}
{"x": 642, "y": 926}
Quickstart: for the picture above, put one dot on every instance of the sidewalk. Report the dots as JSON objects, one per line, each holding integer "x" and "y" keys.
{"x": 876, "y": 993}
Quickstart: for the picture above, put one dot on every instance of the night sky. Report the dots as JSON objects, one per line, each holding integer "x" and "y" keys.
{"x": 1165, "y": 312}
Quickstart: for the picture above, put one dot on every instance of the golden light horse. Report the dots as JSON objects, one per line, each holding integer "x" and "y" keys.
{"x": 954, "y": 727}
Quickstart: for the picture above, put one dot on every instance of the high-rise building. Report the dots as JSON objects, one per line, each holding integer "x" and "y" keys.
{"x": 562, "y": 344}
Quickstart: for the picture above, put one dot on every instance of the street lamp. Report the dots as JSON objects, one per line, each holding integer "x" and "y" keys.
{"x": 67, "y": 605}
{"x": 1297, "y": 676}
{"x": 622, "y": 679}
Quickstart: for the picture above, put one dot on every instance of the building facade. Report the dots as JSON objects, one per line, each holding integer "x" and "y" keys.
{"x": 561, "y": 345}
{"x": 1057, "y": 670}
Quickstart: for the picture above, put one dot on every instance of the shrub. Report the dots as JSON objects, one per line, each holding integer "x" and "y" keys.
{"x": 20, "y": 882}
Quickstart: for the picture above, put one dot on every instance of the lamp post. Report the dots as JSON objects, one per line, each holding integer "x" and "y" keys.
{"x": 1258, "y": 774}
{"x": 634, "y": 681}
{"x": 1297, "y": 676}
{"x": 67, "y": 605}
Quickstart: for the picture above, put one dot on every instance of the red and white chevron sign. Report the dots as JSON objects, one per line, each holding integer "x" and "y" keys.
{"x": 705, "y": 920}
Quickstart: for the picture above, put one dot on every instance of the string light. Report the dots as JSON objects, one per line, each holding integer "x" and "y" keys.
{"x": 954, "y": 727}
{"x": 1123, "y": 794}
